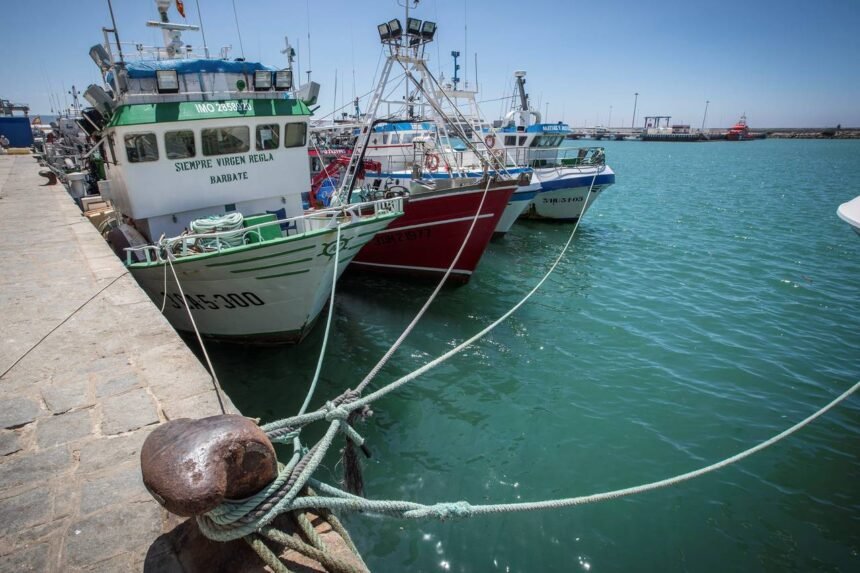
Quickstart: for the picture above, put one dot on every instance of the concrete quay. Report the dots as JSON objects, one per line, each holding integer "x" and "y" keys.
{"x": 81, "y": 387}
{"x": 88, "y": 368}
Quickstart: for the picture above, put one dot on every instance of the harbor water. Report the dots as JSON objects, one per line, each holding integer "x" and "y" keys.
{"x": 710, "y": 299}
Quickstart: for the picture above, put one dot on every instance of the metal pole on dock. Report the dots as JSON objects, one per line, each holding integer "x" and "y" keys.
{"x": 706, "y": 114}
{"x": 635, "y": 101}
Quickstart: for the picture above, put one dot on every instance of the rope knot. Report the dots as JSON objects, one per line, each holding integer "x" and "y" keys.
{"x": 334, "y": 412}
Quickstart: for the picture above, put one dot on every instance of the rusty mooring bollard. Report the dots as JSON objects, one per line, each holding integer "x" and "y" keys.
{"x": 49, "y": 175}
{"x": 191, "y": 466}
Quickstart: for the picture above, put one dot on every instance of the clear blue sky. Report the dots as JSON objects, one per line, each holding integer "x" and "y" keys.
{"x": 784, "y": 63}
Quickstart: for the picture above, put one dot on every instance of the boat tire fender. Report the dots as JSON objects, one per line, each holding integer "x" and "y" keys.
{"x": 490, "y": 140}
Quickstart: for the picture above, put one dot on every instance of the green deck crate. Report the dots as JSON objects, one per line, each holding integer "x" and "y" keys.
{"x": 267, "y": 233}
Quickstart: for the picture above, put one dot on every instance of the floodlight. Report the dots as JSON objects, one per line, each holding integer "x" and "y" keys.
{"x": 262, "y": 80}
{"x": 413, "y": 26}
{"x": 428, "y": 30}
{"x": 99, "y": 99}
{"x": 395, "y": 28}
{"x": 283, "y": 79}
{"x": 100, "y": 57}
{"x": 384, "y": 32}
{"x": 167, "y": 81}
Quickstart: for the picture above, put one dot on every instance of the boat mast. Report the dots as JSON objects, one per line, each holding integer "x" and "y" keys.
{"x": 115, "y": 31}
{"x": 172, "y": 32}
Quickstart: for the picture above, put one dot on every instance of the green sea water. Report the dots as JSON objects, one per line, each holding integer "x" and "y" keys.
{"x": 711, "y": 299}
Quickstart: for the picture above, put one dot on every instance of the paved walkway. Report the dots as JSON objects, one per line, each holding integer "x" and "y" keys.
{"x": 80, "y": 388}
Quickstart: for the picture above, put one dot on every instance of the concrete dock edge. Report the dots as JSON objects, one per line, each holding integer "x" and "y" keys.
{"x": 82, "y": 387}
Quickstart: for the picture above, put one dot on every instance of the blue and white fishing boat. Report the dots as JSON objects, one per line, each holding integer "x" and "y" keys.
{"x": 206, "y": 168}
{"x": 564, "y": 174}
{"x": 414, "y": 153}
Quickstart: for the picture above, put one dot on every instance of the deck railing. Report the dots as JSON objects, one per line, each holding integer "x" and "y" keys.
{"x": 560, "y": 157}
{"x": 197, "y": 243}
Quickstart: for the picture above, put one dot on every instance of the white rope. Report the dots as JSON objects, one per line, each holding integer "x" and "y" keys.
{"x": 408, "y": 330}
{"x": 316, "y": 377}
{"x": 217, "y": 384}
{"x": 296, "y": 421}
{"x": 223, "y": 225}
{"x": 459, "y": 348}
{"x": 343, "y": 501}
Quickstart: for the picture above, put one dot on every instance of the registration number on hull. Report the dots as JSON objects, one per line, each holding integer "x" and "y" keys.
{"x": 214, "y": 301}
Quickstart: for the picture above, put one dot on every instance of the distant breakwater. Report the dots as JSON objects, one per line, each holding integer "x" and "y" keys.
{"x": 812, "y": 133}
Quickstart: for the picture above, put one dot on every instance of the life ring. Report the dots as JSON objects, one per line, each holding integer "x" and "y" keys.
{"x": 431, "y": 161}
{"x": 490, "y": 140}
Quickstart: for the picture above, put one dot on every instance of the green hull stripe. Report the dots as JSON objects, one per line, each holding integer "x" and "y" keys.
{"x": 290, "y": 252}
{"x": 283, "y": 274}
{"x": 273, "y": 266}
{"x": 254, "y": 246}
{"x": 143, "y": 113}
{"x": 359, "y": 245}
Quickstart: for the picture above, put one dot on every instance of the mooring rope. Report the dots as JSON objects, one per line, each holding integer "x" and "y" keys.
{"x": 215, "y": 382}
{"x": 62, "y": 322}
{"x": 341, "y": 501}
{"x": 232, "y": 520}
{"x": 294, "y": 422}
{"x": 252, "y": 517}
{"x": 316, "y": 377}
{"x": 411, "y": 326}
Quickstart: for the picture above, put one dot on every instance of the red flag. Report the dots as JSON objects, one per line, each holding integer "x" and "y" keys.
{"x": 180, "y": 7}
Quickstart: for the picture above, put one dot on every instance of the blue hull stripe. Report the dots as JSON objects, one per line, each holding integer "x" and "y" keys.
{"x": 573, "y": 182}
{"x": 523, "y": 196}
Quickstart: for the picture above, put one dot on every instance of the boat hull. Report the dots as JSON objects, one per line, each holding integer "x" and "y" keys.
{"x": 271, "y": 292}
{"x": 850, "y": 213}
{"x": 517, "y": 205}
{"x": 425, "y": 240}
{"x": 563, "y": 192}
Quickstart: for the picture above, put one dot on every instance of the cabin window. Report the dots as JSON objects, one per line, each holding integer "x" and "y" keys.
{"x": 384, "y": 139}
{"x": 536, "y": 142}
{"x": 395, "y": 139}
{"x": 296, "y": 134}
{"x": 223, "y": 140}
{"x": 510, "y": 140}
{"x": 179, "y": 144}
{"x": 407, "y": 138}
{"x": 140, "y": 147}
{"x": 268, "y": 136}
{"x": 522, "y": 140}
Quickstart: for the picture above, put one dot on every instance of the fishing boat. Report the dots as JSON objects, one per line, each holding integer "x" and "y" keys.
{"x": 446, "y": 217}
{"x": 741, "y": 131}
{"x": 401, "y": 146}
{"x": 850, "y": 213}
{"x": 564, "y": 175}
{"x": 206, "y": 169}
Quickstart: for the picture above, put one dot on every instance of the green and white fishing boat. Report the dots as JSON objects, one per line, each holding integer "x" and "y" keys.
{"x": 207, "y": 170}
